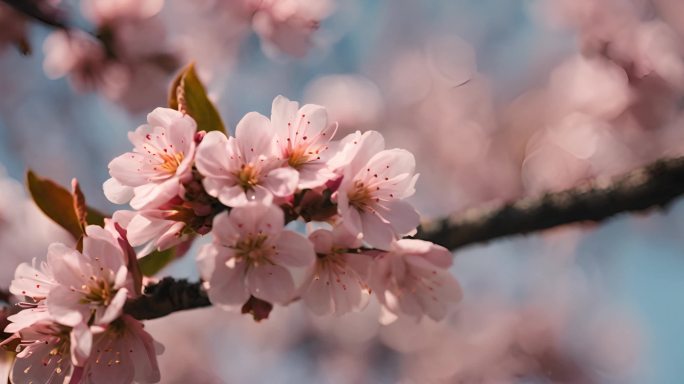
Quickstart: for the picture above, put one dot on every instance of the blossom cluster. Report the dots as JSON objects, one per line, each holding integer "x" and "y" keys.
{"x": 250, "y": 190}
{"x": 71, "y": 325}
{"x": 128, "y": 58}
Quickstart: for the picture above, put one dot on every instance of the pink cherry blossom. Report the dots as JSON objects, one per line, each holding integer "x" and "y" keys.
{"x": 123, "y": 353}
{"x": 45, "y": 354}
{"x": 252, "y": 255}
{"x": 303, "y": 136}
{"x": 161, "y": 160}
{"x": 111, "y": 11}
{"x": 246, "y": 167}
{"x": 94, "y": 283}
{"x": 82, "y": 58}
{"x": 337, "y": 282}
{"x": 78, "y": 287}
{"x": 288, "y": 25}
{"x": 413, "y": 279}
{"x": 151, "y": 229}
{"x": 375, "y": 182}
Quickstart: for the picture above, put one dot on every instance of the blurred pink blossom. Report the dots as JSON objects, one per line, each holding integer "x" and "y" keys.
{"x": 413, "y": 280}
{"x": 287, "y": 25}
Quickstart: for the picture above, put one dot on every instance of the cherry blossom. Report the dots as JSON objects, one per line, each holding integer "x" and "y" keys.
{"x": 375, "y": 182}
{"x": 337, "y": 282}
{"x": 246, "y": 167}
{"x": 413, "y": 279}
{"x": 79, "y": 287}
{"x": 287, "y": 25}
{"x": 253, "y": 255}
{"x": 151, "y": 229}
{"x": 110, "y": 11}
{"x": 123, "y": 353}
{"x": 161, "y": 160}
{"x": 303, "y": 135}
{"x": 44, "y": 356}
{"x": 83, "y": 59}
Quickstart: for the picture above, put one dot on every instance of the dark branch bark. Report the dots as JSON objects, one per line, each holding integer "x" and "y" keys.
{"x": 654, "y": 186}
{"x": 40, "y": 10}
{"x": 5, "y": 296}
{"x": 165, "y": 297}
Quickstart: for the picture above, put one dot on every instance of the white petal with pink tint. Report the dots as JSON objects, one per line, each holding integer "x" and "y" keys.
{"x": 374, "y": 184}
{"x": 123, "y": 353}
{"x": 413, "y": 279}
{"x": 303, "y": 136}
{"x": 337, "y": 282}
{"x": 161, "y": 160}
{"x": 252, "y": 254}
{"x": 245, "y": 168}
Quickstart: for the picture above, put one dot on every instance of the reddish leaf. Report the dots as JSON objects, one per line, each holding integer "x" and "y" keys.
{"x": 67, "y": 209}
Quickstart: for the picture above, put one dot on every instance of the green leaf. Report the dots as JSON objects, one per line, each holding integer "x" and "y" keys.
{"x": 156, "y": 261}
{"x": 188, "y": 95}
{"x": 56, "y": 202}
{"x": 63, "y": 207}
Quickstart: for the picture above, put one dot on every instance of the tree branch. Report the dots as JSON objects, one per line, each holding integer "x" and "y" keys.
{"x": 5, "y": 296}
{"x": 653, "y": 186}
{"x": 165, "y": 297}
{"x": 43, "y": 11}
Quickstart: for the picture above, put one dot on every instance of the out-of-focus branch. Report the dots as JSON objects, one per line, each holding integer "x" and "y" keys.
{"x": 653, "y": 186}
{"x": 5, "y": 296}
{"x": 167, "y": 296}
{"x": 40, "y": 10}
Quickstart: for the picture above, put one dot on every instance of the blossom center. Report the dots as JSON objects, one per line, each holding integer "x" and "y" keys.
{"x": 99, "y": 292}
{"x": 254, "y": 249}
{"x": 248, "y": 176}
{"x": 360, "y": 196}
{"x": 297, "y": 157}
{"x": 171, "y": 162}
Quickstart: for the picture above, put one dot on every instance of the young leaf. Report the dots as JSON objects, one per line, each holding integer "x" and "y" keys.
{"x": 69, "y": 210}
{"x": 56, "y": 202}
{"x": 189, "y": 96}
{"x": 156, "y": 261}
{"x": 78, "y": 201}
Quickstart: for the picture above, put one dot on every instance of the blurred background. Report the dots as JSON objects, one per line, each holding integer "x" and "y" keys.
{"x": 498, "y": 99}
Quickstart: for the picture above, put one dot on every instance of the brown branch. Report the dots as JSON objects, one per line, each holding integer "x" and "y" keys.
{"x": 653, "y": 186}
{"x": 5, "y": 296}
{"x": 165, "y": 297}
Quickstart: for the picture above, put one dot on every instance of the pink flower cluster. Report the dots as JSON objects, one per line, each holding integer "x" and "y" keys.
{"x": 129, "y": 57}
{"x": 250, "y": 189}
{"x": 72, "y": 325}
